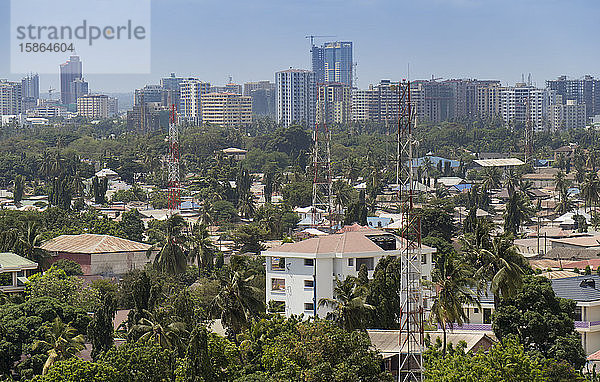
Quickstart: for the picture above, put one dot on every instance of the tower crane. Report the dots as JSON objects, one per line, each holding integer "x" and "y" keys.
{"x": 312, "y": 38}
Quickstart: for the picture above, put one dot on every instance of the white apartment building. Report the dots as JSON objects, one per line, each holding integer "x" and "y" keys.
{"x": 190, "y": 101}
{"x": 298, "y": 275}
{"x": 10, "y": 98}
{"x": 514, "y": 101}
{"x": 337, "y": 98}
{"x": 568, "y": 116}
{"x": 296, "y": 97}
{"x": 93, "y": 106}
{"x": 581, "y": 289}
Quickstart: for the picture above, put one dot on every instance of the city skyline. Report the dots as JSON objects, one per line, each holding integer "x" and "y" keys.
{"x": 445, "y": 38}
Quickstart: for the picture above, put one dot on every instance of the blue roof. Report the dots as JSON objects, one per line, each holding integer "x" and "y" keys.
{"x": 573, "y": 288}
{"x": 573, "y": 191}
{"x": 418, "y": 162}
{"x": 188, "y": 205}
{"x": 377, "y": 222}
{"x": 462, "y": 187}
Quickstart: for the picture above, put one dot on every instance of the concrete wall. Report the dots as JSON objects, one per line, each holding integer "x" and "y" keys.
{"x": 118, "y": 263}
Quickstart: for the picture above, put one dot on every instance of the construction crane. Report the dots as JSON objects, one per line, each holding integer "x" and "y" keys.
{"x": 312, "y": 38}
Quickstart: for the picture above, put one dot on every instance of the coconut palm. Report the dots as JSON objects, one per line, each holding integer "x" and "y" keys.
{"x": 519, "y": 210}
{"x": 561, "y": 183}
{"x": 167, "y": 337}
{"x": 30, "y": 241}
{"x": 342, "y": 193}
{"x": 61, "y": 341}
{"x": 246, "y": 206}
{"x": 238, "y": 300}
{"x": 171, "y": 258}
{"x": 591, "y": 189}
{"x": 491, "y": 179}
{"x": 349, "y": 306}
{"x": 565, "y": 203}
{"x": 501, "y": 265}
{"x": 202, "y": 248}
{"x": 512, "y": 181}
{"x": 454, "y": 285}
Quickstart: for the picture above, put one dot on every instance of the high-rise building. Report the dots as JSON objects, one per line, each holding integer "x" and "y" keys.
{"x": 263, "y": 97}
{"x": 11, "y": 98}
{"x": 332, "y": 62}
{"x": 150, "y": 116}
{"x": 171, "y": 86}
{"x": 92, "y": 106}
{"x": 226, "y": 109}
{"x": 463, "y": 93}
{"x": 78, "y": 87}
{"x": 296, "y": 97}
{"x": 250, "y": 86}
{"x": 337, "y": 98}
{"x": 150, "y": 93}
{"x": 433, "y": 100}
{"x": 585, "y": 91}
{"x": 514, "y": 101}
{"x": 488, "y": 101}
{"x": 190, "y": 102}
{"x": 69, "y": 72}
{"x": 379, "y": 103}
{"x": 569, "y": 115}
{"x": 31, "y": 86}
{"x": 227, "y": 88}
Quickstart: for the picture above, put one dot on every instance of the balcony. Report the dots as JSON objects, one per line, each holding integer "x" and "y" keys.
{"x": 587, "y": 325}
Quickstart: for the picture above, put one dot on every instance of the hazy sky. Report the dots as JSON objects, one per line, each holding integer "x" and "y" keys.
{"x": 251, "y": 39}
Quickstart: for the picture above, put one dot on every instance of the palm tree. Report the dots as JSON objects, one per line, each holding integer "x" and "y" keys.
{"x": 238, "y": 300}
{"x": 561, "y": 182}
{"x": 452, "y": 280}
{"x": 342, "y": 193}
{"x": 203, "y": 249}
{"x": 246, "y": 206}
{"x": 206, "y": 213}
{"x": 565, "y": 203}
{"x": 349, "y": 306}
{"x": 62, "y": 342}
{"x": 519, "y": 210}
{"x": 167, "y": 337}
{"x": 30, "y": 241}
{"x": 171, "y": 257}
{"x": 501, "y": 265}
{"x": 491, "y": 179}
{"x": 512, "y": 181}
{"x": 591, "y": 189}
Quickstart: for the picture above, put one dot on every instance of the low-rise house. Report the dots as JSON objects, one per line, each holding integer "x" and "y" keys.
{"x": 14, "y": 271}
{"x": 99, "y": 254}
{"x": 299, "y": 275}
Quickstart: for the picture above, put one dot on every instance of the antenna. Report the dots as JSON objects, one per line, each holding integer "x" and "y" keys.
{"x": 411, "y": 338}
{"x": 173, "y": 163}
{"x": 322, "y": 180}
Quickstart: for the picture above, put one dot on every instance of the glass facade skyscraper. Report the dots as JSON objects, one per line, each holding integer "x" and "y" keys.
{"x": 69, "y": 72}
{"x": 332, "y": 62}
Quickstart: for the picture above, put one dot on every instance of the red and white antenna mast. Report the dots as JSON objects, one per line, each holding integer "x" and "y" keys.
{"x": 173, "y": 163}
{"x": 411, "y": 291}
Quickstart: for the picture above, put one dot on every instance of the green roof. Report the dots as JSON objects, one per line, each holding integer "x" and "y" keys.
{"x": 11, "y": 260}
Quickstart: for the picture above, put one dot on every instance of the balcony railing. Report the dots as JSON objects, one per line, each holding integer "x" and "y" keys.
{"x": 587, "y": 324}
{"x": 474, "y": 327}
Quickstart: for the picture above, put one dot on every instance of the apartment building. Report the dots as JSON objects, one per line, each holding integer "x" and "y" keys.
{"x": 299, "y": 275}
{"x": 93, "y": 106}
{"x": 226, "y": 109}
{"x": 296, "y": 97}
{"x": 10, "y": 98}
{"x": 336, "y": 98}
{"x": 569, "y": 115}
{"x": 190, "y": 102}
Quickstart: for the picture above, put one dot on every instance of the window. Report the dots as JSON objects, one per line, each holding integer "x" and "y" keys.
{"x": 424, "y": 258}
{"x": 309, "y": 283}
{"x": 6, "y": 279}
{"x": 309, "y": 306}
{"x": 278, "y": 285}
{"x": 475, "y": 310}
{"x": 487, "y": 315}
{"x": 277, "y": 263}
{"x": 276, "y": 306}
{"x": 368, "y": 261}
{"x": 309, "y": 262}
{"x": 578, "y": 314}
{"x": 351, "y": 262}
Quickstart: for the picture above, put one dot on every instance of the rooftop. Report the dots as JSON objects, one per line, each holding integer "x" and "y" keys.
{"x": 580, "y": 288}
{"x": 9, "y": 260}
{"x": 91, "y": 243}
{"x": 501, "y": 162}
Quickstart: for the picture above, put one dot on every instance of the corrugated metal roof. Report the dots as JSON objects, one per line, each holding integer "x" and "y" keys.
{"x": 386, "y": 341}
{"x": 91, "y": 243}
{"x": 11, "y": 260}
{"x": 499, "y": 162}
